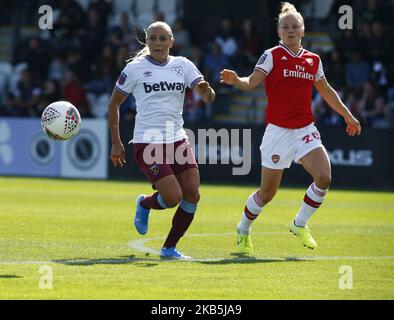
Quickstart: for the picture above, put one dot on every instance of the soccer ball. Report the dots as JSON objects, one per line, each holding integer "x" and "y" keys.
{"x": 60, "y": 120}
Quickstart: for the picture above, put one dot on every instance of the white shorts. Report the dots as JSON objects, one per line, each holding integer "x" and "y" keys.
{"x": 280, "y": 146}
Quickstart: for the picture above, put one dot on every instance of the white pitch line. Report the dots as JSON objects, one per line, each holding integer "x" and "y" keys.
{"x": 24, "y": 262}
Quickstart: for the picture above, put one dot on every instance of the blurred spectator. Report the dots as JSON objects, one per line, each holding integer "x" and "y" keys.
{"x": 122, "y": 34}
{"x": 103, "y": 81}
{"x": 379, "y": 74}
{"x": 74, "y": 92}
{"x": 250, "y": 44}
{"x": 214, "y": 62}
{"x": 27, "y": 95}
{"x": 194, "y": 106}
{"x": 182, "y": 39}
{"x": 128, "y": 108}
{"x": 390, "y": 96}
{"x": 74, "y": 61}
{"x": 323, "y": 113}
{"x": 160, "y": 16}
{"x": 364, "y": 32}
{"x": 367, "y": 101}
{"x": 226, "y": 38}
{"x": 103, "y": 9}
{"x": 57, "y": 68}
{"x": 334, "y": 69}
{"x": 357, "y": 71}
{"x": 379, "y": 115}
{"x": 91, "y": 37}
{"x": 388, "y": 12}
{"x": 379, "y": 47}
{"x": 348, "y": 43}
{"x": 371, "y": 11}
{"x": 122, "y": 55}
{"x": 108, "y": 59}
{"x": 352, "y": 102}
{"x": 9, "y": 107}
{"x": 50, "y": 93}
{"x": 34, "y": 56}
{"x": 195, "y": 56}
{"x": 70, "y": 19}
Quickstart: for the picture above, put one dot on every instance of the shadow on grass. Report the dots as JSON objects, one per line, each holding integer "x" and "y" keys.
{"x": 152, "y": 261}
{"x": 9, "y": 276}
{"x": 249, "y": 259}
{"x": 142, "y": 262}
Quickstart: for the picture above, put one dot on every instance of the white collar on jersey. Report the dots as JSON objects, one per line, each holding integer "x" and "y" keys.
{"x": 157, "y": 63}
{"x": 281, "y": 44}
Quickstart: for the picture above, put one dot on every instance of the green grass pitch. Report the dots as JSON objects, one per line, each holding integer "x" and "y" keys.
{"x": 83, "y": 231}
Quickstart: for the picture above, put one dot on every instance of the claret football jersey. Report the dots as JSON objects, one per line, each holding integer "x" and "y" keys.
{"x": 289, "y": 85}
{"x": 159, "y": 91}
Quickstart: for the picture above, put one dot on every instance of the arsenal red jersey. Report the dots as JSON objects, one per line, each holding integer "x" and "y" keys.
{"x": 289, "y": 85}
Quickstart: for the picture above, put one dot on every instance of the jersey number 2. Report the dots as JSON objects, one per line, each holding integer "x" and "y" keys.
{"x": 309, "y": 137}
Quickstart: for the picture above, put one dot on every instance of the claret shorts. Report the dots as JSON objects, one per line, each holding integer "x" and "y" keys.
{"x": 159, "y": 160}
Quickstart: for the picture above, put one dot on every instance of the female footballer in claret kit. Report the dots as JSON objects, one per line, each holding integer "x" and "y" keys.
{"x": 158, "y": 81}
{"x": 290, "y": 72}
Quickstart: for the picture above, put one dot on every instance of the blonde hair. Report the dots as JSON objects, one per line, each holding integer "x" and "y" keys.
{"x": 287, "y": 9}
{"x": 145, "y": 49}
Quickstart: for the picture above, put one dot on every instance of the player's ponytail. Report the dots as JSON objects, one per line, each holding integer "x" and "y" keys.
{"x": 140, "y": 53}
{"x": 144, "y": 51}
{"x": 286, "y": 9}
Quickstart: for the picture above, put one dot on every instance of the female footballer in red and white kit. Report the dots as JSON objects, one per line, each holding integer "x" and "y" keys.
{"x": 160, "y": 145}
{"x": 290, "y": 72}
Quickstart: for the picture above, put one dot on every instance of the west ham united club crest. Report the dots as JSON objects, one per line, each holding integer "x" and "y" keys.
{"x": 178, "y": 71}
{"x": 154, "y": 169}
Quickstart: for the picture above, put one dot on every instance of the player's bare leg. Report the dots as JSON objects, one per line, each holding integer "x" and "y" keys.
{"x": 270, "y": 181}
{"x": 317, "y": 164}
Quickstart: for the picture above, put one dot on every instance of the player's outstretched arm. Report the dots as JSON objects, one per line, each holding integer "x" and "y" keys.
{"x": 117, "y": 150}
{"x": 205, "y": 91}
{"x": 230, "y": 77}
{"x": 353, "y": 127}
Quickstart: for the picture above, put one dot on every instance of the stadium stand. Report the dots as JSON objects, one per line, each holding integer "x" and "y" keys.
{"x": 92, "y": 39}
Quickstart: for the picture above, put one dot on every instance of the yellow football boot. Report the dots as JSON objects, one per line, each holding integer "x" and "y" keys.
{"x": 304, "y": 234}
{"x": 244, "y": 243}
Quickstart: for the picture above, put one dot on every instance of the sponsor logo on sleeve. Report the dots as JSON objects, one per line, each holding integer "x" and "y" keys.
{"x": 262, "y": 59}
{"x": 122, "y": 78}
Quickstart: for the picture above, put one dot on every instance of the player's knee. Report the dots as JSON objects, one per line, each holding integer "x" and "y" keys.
{"x": 266, "y": 195}
{"x": 323, "y": 180}
{"x": 173, "y": 199}
{"x": 193, "y": 196}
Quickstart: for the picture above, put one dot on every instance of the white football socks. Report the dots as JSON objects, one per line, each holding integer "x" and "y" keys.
{"x": 313, "y": 198}
{"x": 252, "y": 209}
